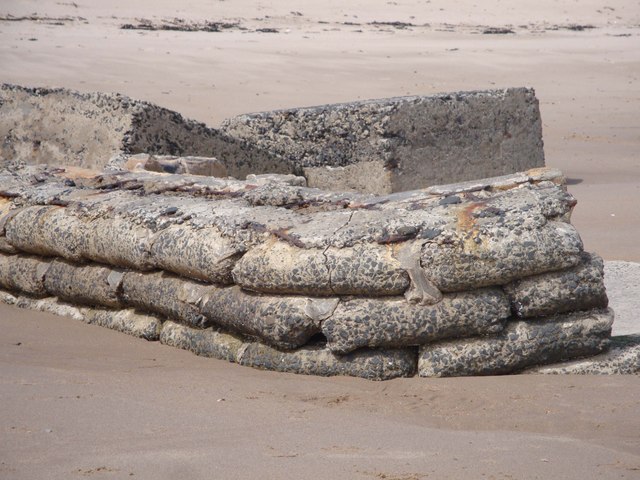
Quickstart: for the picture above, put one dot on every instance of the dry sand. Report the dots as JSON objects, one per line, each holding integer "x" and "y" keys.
{"x": 80, "y": 401}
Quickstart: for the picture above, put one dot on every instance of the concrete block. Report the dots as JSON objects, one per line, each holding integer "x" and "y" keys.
{"x": 405, "y": 143}
{"x": 63, "y": 127}
{"x": 520, "y": 345}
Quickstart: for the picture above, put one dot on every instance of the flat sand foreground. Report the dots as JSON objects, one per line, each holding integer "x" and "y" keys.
{"x": 82, "y": 401}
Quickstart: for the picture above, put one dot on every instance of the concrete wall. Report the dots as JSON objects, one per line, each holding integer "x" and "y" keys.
{"x": 63, "y": 127}
{"x": 398, "y": 144}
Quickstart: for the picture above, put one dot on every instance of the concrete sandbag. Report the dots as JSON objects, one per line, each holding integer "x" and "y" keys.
{"x": 126, "y": 321}
{"x": 522, "y": 344}
{"x": 622, "y": 358}
{"x": 7, "y": 211}
{"x": 374, "y": 322}
{"x": 47, "y": 231}
{"x": 500, "y": 255}
{"x": 166, "y": 295}
{"x": 278, "y": 267}
{"x": 84, "y": 284}
{"x": 203, "y": 254}
{"x": 282, "y": 321}
{"x": 578, "y": 288}
{"x": 23, "y": 274}
{"x": 6, "y": 247}
{"x": 118, "y": 242}
{"x": 203, "y": 342}
{"x": 318, "y": 360}
{"x": 8, "y": 298}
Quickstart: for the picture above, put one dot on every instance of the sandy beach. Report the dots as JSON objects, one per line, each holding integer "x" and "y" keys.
{"x": 81, "y": 401}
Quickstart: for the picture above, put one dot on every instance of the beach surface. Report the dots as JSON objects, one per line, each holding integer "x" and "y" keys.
{"x": 81, "y": 401}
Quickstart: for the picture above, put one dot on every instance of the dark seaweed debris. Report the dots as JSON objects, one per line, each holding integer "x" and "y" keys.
{"x": 396, "y": 24}
{"x": 42, "y": 19}
{"x": 180, "y": 25}
{"x": 497, "y": 31}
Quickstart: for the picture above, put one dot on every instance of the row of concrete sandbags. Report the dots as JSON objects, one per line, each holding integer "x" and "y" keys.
{"x": 521, "y": 346}
{"x": 372, "y": 364}
{"x": 437, "y": 244}
{"x": 288, "y": 321}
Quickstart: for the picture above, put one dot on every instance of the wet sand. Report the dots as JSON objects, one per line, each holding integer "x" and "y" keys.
{"x": 81, "y": 401}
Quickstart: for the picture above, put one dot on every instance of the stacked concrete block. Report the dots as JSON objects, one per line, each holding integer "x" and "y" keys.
{"x": 406, "y": 143}
{"x": 476, "y": 278}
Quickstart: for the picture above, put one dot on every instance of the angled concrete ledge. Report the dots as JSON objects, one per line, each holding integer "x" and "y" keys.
{"x": 377, "y": 146}
{"x": 60, "y": 126}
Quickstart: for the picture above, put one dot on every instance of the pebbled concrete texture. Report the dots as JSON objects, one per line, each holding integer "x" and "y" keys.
{"x": 36, "y": 126}
{"x": 376, "y": 146}
{"x": 404, "y": 143}
{"x": 521, "y": 344}
{"x": 623, "y": 357}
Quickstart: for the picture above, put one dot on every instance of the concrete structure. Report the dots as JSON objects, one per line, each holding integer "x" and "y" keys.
{"x": 478, "y": 277}
{"x": 475, "y": 278}
{"x": 378, "y": 146}
{"x": 63, "y": 127}
{"x": 406, "y": 143}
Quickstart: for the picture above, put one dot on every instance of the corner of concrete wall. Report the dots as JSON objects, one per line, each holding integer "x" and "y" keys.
{"x": 467, "y": 135}
{"x": 164, "y": 132}
{"x": 58, "y": 126}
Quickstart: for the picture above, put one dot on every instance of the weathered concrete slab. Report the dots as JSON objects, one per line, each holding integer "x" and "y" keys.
{"x": 406, "y": 143}
{"x": 35, "y": 126}
{"x": 24, "y": 274}
{"x": 521, "y": 344}
{"x": 578, "y": 288}
{"x": 376, "y": 322}
{"x": 622, "y": 358}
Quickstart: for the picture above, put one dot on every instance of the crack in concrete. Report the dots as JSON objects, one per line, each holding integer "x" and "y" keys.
{"x": 326, "y": 258}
